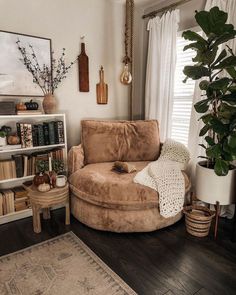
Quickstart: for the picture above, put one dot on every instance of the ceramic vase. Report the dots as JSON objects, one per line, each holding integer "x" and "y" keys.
{"x": 49, "y": 104}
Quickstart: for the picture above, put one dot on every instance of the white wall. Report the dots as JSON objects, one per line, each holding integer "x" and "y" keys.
{"x": 141, "y": 42}
{"x": 64, "y": 21}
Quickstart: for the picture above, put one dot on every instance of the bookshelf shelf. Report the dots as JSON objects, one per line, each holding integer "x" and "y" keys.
{"x": 14, "y": 117}
{"x": 15, "y": 216}
{"x": 35, "y": 148}
{"x": 22, "y": 179}
{"x": 5, "y": 155}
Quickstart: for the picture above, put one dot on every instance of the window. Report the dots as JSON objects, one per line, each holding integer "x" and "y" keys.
{"x": 183, "y": 94}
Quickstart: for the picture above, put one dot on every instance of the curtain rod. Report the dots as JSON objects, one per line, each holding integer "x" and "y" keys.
{"x": 173, "y": 5}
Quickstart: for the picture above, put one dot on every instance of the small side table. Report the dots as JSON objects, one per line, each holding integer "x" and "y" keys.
{"x": 44, "y": 201}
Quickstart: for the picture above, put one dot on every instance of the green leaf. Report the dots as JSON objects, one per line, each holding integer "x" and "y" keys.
{"x": 204, "y": 130}
{"x": 195, "y": 46}
{"x": 202, "y": 19}
{"x": 232, "y": 140}
{"x": 232, "y": 72}
{"x": 196, "y": 72}
{"x": 209, "y": 140}
{"x": 206, "y": 118}
{"x": 202, "y": 106}
{"x": 206, "y": 57}
{"x": 193, "y": 36}
{"x": 228, "y": 62}
{"x": 218, "y": 126}
{"x": 221, "y": 167}
{"x": 229, "y": 98}
{"x": 222, "y": 55}
{"x": 223, "y": 38}
{"x": 203, "y": 85}
{"x": 220, "y": 83}
{"x": 213, "y": 151}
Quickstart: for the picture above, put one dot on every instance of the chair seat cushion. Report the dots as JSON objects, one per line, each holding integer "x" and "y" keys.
{"x": 97, "y": 184}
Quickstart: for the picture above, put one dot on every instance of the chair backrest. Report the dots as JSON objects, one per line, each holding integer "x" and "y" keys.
{"x": 109, "y": 141}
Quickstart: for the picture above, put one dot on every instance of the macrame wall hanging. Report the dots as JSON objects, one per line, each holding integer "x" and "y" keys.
{"x": 126, "y": 75}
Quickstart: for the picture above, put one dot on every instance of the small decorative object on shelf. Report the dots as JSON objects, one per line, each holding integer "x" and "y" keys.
{"x": 20, "y": 106}
{"x": 61, "y": 180}
{"x": 7, "y": 108}
{"x": 83, "y": 63}
{"x": 4, "y": 131}
{"x": 102, "y": 89}
{"x": 13, "y": 139}
{"x": 44, "y": 187}
{"x": 32, "y": 105}
{"x": 45, "y": 77}
{"x": 41, "y": 178}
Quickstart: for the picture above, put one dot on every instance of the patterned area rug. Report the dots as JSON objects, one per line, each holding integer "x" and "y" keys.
{"x": 62, "y": 266}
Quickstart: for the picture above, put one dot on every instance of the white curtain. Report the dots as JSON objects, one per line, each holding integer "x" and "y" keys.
{"x": 161, "y": 69}
{"x": 228, "y": 6}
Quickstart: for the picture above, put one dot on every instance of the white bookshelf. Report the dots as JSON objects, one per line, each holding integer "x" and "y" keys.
{"x": 11, "y": 120}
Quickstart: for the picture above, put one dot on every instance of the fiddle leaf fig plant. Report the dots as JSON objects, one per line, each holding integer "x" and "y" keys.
{"x": 216, "y": 67}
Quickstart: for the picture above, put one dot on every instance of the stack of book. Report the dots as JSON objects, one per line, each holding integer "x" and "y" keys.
{"x": 7, "y": 202}
{"x": 47, "y": 133}
{"x": 12, "y": 200}
{"x": 22, "y": 201}
{"x": 7, "y": 169}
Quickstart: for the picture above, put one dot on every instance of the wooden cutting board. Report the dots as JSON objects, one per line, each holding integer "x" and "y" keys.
{"x": 83, "y": 62}
{"x": 102, "y": 89}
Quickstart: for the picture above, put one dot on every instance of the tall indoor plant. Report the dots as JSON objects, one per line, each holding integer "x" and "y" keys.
{"x": 215, "y": 67}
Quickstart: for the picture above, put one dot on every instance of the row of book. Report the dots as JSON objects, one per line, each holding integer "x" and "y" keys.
{"x": 21, "y": 165}
{"x": 13, "y": 200}
{"x": 47, "y": 133}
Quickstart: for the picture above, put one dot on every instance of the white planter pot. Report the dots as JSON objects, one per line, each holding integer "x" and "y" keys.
{"x": 3, "y": 141}
{"x": 211, "y": 188}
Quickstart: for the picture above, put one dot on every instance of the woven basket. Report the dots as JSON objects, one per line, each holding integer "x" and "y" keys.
{"x": 198, "y": 220}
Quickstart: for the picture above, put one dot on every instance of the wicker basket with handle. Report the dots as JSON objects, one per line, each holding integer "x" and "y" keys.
{"x": 198, "y": 220}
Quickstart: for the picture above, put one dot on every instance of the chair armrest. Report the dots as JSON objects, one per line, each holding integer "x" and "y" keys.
{"x": 75, "y": 159}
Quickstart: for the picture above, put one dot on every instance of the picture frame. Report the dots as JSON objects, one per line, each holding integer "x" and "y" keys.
{"x": 15, "y": 80}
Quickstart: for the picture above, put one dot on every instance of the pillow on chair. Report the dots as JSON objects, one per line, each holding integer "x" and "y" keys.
{"x": 109, "y": 141}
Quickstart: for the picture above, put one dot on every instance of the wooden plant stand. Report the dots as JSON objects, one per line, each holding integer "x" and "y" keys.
{"x": 44, "y": 201}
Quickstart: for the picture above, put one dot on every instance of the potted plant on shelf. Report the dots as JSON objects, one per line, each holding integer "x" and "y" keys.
{"x": 4, "y": 131}
{"x": 45, "y": 77}
{"x": 215, "y": 67}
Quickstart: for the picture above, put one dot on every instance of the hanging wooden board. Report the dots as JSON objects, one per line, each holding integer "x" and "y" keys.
{"x": 83, "y": 62}
{"x": 102, "y": 89}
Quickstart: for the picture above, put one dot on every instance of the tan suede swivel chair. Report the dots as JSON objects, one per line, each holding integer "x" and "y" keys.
{"x": 103, "y": 199}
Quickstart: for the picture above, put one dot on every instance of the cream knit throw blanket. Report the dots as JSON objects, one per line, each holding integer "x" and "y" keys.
{"x": 165, "y": 176}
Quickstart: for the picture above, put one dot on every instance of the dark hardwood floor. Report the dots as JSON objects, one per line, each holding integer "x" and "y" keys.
{"x": 168, "y": 261}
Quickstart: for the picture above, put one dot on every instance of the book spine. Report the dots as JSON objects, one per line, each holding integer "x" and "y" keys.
{"x": 19, "y": 165}
{"x": 59, "y": 132}
{"x": 22, "y": 135}
{"x": 18, "y": 132}
{"x": 40, "y": 135}
{"x": 35, "y": 135}
{"x": 51, "y": 127}
{"x": 46, "y": 133}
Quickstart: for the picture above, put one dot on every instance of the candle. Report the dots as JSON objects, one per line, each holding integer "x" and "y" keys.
{"x": 50, "y": 163}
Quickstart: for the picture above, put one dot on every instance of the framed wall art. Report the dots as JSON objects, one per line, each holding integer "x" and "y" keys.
{"x": 15, "y": 80}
